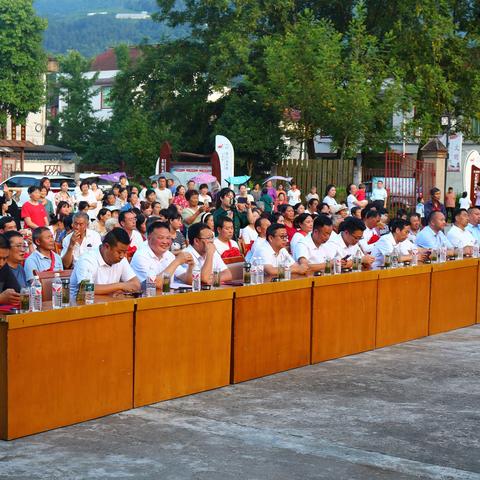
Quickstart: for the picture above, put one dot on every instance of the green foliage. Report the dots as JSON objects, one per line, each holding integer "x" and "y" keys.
{"x": 22, "y": 60}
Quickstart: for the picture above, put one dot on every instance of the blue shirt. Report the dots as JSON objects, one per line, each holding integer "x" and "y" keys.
{"x": 19, "y": 274}
{"x": 39, "y": 262}
{"x": 427, "y": 238}
{"x": 475, "y": 231}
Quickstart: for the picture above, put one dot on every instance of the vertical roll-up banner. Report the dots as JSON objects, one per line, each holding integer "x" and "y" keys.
{"x": 226, "y": 154}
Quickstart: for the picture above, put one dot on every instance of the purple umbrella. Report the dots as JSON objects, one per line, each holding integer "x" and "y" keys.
{"x": 204, "y": 178}
{"x": 112, "y": 177}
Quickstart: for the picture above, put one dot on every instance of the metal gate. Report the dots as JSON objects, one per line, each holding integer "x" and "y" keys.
{"x": 406, "y": 179}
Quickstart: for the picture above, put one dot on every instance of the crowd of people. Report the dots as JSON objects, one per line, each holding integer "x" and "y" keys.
{"x": 120, "y": 238}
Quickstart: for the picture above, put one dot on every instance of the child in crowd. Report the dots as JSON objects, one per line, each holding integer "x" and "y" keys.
{"x": 420, "y": 209}
{"x": 361, "y": 193}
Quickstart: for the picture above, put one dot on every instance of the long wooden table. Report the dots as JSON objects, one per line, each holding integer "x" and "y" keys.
{"x": 453, "y": 301}
{"x": 182, "y": 344}
{"x": 344, "y": 315}
{"x": 61, "y": 367}
{"x": 271, "y": 328}
{"x": 403, "y": 305}
{"x": 66, "y": 366}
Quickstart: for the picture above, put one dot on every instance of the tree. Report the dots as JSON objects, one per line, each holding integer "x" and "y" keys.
{"x": 75, "y": 125}
{"x": 22, "y": 61}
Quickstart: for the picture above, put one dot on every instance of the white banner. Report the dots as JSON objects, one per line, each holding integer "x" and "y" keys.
{"x": 454, "y": 151}
{"x": 224, "y": 148}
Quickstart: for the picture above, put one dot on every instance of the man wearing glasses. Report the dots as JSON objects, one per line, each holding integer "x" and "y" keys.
{"x": 205, "y": 256}
{"x": 16, "y": 257}
{"x": 273, "y": 252}
{"x": 347, "y": 242}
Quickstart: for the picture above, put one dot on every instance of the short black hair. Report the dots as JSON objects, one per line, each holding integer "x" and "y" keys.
{"x": 258, "y": 222}
{"x": 84, "y": 182}
{"x": 457, "y": 212}
{"x": 352, "y": 224}
{"x": 432, "y": 214}
{"x": 121, "y": 215}
{"x": 312, "y": 201}
{"x": 4, "y": 242}
{"x": 82, "y": 205}
{"x": 397, "y": 224}
{"x": 141, "y": 219}
{"x": 37, "y": 232}
{"x": 5, "y": 220}
{"x": 117, "y": 235}
{"x": 12, "y": 234}
{"x": 322, "y": 220}
{"x": 222, "y": 221}
{"x": 155, "y": 225}
{"x": 272, "y": 229}
{"x": 194, "y": 231}
{"x": 203, "y": 185}
{"x": 411, "y": 215}
{"x": 149, "y": 192}
{"x": 300, "y": 219}
{"x": 32, "y": 188}
{"x": 102, "y": 212}
{"x": 190, "y": 194}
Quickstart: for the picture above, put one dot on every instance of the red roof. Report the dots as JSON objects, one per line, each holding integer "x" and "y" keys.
{"x": 16, "y": 143}
{"x": 108, "y": 60}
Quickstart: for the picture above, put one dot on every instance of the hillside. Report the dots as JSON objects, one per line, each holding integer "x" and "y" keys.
{"x": 90, "y": 26}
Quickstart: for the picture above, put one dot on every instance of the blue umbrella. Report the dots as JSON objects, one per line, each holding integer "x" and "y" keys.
{"x": 237, "y": 180}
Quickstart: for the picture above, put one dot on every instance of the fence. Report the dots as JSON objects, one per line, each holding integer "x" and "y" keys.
{"x": 317, "y": 172}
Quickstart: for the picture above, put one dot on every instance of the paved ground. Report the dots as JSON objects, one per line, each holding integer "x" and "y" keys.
{"x": 404, "y": 412}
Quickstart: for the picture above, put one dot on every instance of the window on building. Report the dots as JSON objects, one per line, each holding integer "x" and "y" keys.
{"x": 105, "y": 94}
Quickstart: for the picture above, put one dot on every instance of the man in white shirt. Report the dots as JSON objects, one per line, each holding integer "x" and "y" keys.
{"x": 294, "y": 195}
{"x": 474, "y": 223}
{"x": 458, "y": 235}
{"x": 107, "y": 267}
{"x": 224, "y": 241}
{"x": 370, "y": 234}
{"x": 154, "y": 256}
{"x": 164, "y": 195}
{"x": 379, "y": 195}
{"x": 204, "y": 255}
{"x": 82, "y": 239}
{"x": 128, "y": 221}
{"x": 313, "y": 249}
{"x": 398, "y": 237}
{"x": 415, "y": 222}
{"x": 261, "y": 226}
{"x": 347, "y": 242}
{"x": 273, "y": 252}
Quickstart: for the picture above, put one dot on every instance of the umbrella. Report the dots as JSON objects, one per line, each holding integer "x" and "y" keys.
{"x": 237, "y": 180}
{"x": 278, "y": 177}
{"x": 168, "y": 176}
{"x": 112, "y": 177}
{"x": 203, "y": 178}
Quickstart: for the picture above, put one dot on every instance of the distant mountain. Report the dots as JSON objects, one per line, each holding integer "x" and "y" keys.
{"x": 90, "y": 26}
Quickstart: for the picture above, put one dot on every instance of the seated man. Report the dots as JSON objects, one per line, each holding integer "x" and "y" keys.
{"x": 315, "y": 248}
{"x": 155, "y": 256}
{"x": 79, "y": 241}
{"x": 224, "y": 243}
{"x": 370, "y": 234}
{"x": 16, "y": 257}
{"x": 398, "y": 237}
{"x": 458, "y": 235}
{"x": 273, "y": 252}
{"x": 106, "y": 266}
{"x": 8, "y": 283}
{"x": 347, "y": 242}
{"x": 432, "y": 235}
{"x": 415, "y": 226}
{"x": 261, "y": 226}
{"x": 44, "y": 258}
{"x": 474, "y": 223}
{"x": 205, "y": 256}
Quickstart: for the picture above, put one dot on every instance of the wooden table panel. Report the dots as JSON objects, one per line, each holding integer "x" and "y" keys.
{"x": 271, "y": 330}
{"x": 402, "y": 305}
{"x": 453, "y": 300}
{"x": 182, "y": 345}
{"x": 344, "y": 315}
{"x": 65, "y": 372}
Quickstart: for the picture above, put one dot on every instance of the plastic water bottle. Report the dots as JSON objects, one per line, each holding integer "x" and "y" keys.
{"x": 337, "y": 265}
{"x": 395, "y": 257}
{"x": 57, "y": 293}
{"x": 151, "y": 284}
{"x": 36, "y": 295}
{"x": 288, "y": 271}
{"x": 260, "y": 272}
{"x": 196, "y": 279}
{"x": 476, "y": 250}
{"x": 89, "y": 292}
{"x": 414, "y": 262}
{"x": 253, "y": 271}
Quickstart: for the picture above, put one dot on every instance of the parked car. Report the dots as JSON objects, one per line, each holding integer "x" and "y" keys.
{"x": 104, "y": 185}
{"x": 24, "y": 180}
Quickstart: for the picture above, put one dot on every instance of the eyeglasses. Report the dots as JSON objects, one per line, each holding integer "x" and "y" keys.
{"x": 283, "y": 237}
{"x": 356, "y": 237}
{"x": 207, "y": 238}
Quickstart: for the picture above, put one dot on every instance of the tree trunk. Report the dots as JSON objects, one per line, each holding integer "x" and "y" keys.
{"x": 311, "y": 148}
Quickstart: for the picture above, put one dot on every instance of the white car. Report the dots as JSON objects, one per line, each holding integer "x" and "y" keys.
{"x": 23, "y": 181}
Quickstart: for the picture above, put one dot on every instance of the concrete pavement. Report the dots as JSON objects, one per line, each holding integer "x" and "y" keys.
{"x": 411, "y": 411}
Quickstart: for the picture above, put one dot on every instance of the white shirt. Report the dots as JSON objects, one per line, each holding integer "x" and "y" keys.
{"x": 306, "y": 248}
{"x": 465, "y": 203}
{"x": 460, "y": 238}
{"x": 163, "y": 197}
{"x": 249, "y": 198}
{"x": 142, "y": 194}
{"x": 294, "y": 242}
{"x": 385, "y": 246}
{"x": 91, "y": 240}
{"x": 331, "y": 202}
{"x": 136, "y": 239}
{"x": 248, "y": 234}
{"x": 342, "y": 248}
{"x": 90, "y": 198}
{"x": 223, "y": 247}
{"x": 218, "y": 263}
{"x": 379, "y": 194}
{"x": 294, "y": 197}
{"x": 92, "y": 266}
{"x": 368, "y": 233}
{"x": 269, "y": 257}
{"x": 351, "y": 201}
{"x": 253, "y": 251}
{"x": 205, "y": 199}
{"x": 144, "y": 261}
